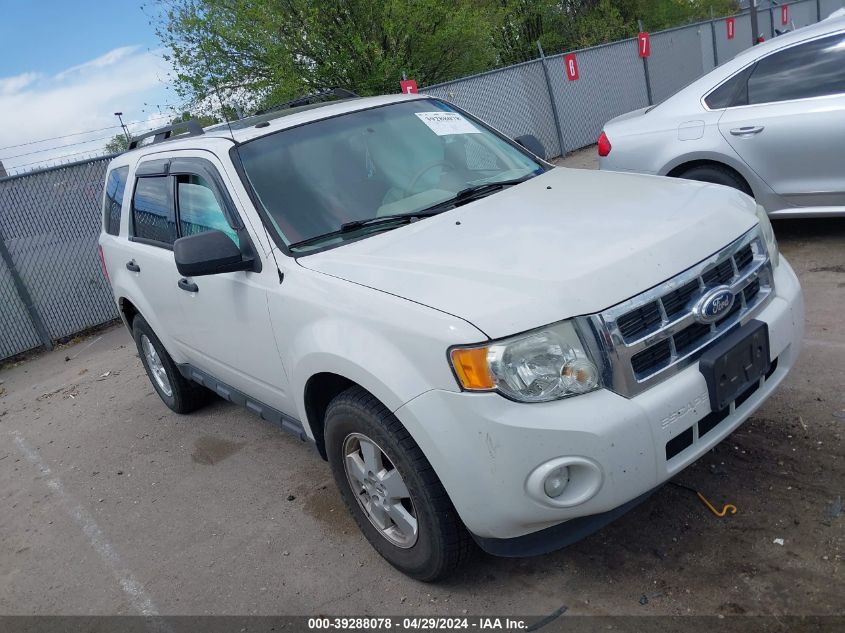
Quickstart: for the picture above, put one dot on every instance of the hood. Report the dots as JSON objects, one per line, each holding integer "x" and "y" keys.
{"x": 566, "y": 243}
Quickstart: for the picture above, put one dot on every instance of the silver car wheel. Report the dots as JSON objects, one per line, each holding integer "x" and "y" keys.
{"x": 156, "y": 366}
{"x": 380, "y": 490}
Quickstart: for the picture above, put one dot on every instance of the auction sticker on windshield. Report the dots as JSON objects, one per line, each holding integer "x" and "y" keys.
{"x": 446, "y": 123}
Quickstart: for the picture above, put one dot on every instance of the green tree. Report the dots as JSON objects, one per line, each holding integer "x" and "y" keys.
{"x": 664, "y": 14}
{"x": 261, "y": 52}
{"x": 203, "y": 119}
{"x": 562, "y": 25}
{"x": 117, "y": 144}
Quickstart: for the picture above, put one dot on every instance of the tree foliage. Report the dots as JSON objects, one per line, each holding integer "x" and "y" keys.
{"x": 118, "y": 143}
{"x": 260, "y": 52}
{"x": 256, "y": 53}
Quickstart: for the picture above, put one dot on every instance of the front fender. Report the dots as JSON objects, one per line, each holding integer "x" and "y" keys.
{"x": 364, "y": 357}
{"x": 394, "y": 348}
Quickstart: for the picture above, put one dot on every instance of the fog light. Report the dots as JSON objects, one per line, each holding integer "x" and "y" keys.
{"x": 556, "y": 482}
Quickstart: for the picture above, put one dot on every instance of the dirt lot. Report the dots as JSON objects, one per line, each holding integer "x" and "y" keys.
{"x": 113, "y": 504}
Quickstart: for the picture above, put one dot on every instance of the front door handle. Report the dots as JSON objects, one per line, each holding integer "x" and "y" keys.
{"x": 750, "y": 130}
{"x": 131, "y": 265}
{"x": 188, "y": 286}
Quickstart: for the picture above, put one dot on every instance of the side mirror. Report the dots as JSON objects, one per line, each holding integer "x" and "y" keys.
{"x": 532, "y": 144}
{"x": 209, "y": 253}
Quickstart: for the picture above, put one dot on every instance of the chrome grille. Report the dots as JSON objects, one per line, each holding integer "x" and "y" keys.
{"x": 651, "y": 336}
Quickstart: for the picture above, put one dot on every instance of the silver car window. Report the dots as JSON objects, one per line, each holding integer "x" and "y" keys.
{"x": 811, "y": 69}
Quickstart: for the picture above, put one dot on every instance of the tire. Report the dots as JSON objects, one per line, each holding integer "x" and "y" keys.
{"x": 441, "y": 542}
{"x": 718, "y": 175}
{"x": 185, "y": 395}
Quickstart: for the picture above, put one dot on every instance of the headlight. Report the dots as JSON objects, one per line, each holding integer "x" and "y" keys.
{"x": 539, "y": 366}
{"x": 768, "y": 235}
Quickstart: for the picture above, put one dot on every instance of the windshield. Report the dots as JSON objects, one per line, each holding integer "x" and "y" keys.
{"x": 398, "y": 159}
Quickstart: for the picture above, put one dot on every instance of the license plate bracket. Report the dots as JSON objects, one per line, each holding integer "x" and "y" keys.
{"x": 735, "y": 363}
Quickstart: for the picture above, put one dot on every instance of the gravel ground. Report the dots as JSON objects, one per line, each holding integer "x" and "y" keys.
{"x": 114, "y": 505}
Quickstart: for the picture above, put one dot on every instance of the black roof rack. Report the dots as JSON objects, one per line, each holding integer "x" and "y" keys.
{"x": 162, "y": 134}
{"x": 317, "y": 97}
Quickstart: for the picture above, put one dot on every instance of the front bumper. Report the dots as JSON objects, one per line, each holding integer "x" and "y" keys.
{"x": 484, "y": 447}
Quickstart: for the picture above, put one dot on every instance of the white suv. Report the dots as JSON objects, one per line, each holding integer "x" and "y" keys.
{"x": 484, "y": 347}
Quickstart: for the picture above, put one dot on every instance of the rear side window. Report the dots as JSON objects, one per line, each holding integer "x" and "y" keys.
{"x": 813, "y": 69}
{"x": 733, "y": 92}
{"x": 113, "y": 202}
{"x": 199, "y": 208}
{"x": 152, "y": 210}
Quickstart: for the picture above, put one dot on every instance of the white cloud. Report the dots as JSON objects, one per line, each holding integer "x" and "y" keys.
{"x": 11, "y": 85}
{"x": 109, "y": 59}
{"x": 82, "y": 97}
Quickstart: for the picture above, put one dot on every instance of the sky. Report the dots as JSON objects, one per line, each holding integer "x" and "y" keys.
{"x": 66, "y": 66}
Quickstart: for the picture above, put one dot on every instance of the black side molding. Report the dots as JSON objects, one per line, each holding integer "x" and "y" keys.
{"x": 557, "y": 536}
{"x": 265, "y": 412}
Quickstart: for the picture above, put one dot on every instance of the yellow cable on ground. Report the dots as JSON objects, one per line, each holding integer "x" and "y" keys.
{"x": 729, "y": 507}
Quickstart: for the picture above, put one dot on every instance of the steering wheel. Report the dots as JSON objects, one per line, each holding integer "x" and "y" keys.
{"x": 423, "y": 171}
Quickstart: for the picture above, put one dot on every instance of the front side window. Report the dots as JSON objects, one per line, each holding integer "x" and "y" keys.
{"x": 152, "y": 210}
{"x": 813, "y": 69}
{"x": 396, "y": 160}
{"x": 199, "y": 209}
{"x": 113, "y": 202}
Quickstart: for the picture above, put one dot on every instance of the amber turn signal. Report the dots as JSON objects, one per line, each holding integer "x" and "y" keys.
{"x": 471, "y": 368}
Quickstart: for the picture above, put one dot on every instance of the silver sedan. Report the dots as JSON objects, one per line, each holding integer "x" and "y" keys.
{"x": 770, "y": 122}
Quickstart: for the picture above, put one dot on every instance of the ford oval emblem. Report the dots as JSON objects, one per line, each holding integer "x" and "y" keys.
{"x": 715, "y": 304}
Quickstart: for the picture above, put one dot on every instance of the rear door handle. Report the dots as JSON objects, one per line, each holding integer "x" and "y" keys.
{"x": 188, "y": 286}
{"x": 131, "y": 265}
{"x": 750, "y": 130}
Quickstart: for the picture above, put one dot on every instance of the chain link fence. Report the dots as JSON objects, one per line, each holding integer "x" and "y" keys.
{"x": 51, "y": 281}
{"x": 612, "y": 78}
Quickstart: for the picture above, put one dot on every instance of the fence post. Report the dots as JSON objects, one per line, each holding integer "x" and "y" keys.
{"x": 713, "y": 33}
{"x": 26, "y": 298}
{"x": 755, "y": 25}
{"x": 552, "y": 101}
{"x": 645, "y": 69}
{"x": 772, "y": 19}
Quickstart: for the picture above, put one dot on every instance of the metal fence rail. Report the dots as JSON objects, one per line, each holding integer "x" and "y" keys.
{"x": 51, "y": 282}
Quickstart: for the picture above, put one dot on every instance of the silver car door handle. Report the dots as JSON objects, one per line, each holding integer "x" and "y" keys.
{"x": 747, "y": 131}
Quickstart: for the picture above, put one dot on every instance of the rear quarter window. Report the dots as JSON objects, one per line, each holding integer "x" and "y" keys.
{"x": 732, "y": 92}
{"x": 113, "y": 200}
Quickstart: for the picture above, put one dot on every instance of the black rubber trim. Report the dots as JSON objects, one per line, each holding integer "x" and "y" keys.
{"x": 143, "y": 240}
{"x": 264, "y": 411}
{"x": 679, "y": 443}
{"x": 557, "y": 536}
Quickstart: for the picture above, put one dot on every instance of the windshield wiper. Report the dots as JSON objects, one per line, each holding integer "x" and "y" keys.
{"x": 462, "y": 197}
{"x": 474, "y": 193}
{"x": 398, "y": 218}
{"x": 386, "y": 220}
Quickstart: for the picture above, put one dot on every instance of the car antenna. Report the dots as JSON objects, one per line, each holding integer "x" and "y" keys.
{"x": 216, "y": 87}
